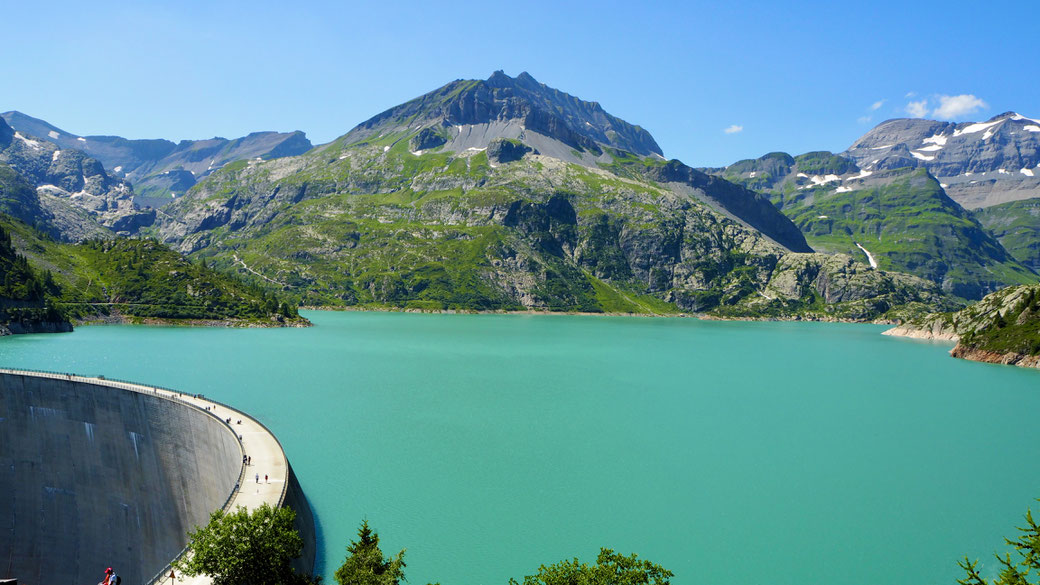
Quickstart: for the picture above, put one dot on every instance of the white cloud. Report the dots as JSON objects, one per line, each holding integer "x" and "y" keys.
{"x": 917, "y": 109}
{"x": 910, "y": 94}
{"x": 864, "y": 119}
{"x": 876, "y": 105}
{"x": 955, "y": 106}
{"x": 733, "y": 129}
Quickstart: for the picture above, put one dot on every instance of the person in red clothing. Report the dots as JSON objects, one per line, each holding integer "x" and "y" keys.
{"x": 110, "y": 578}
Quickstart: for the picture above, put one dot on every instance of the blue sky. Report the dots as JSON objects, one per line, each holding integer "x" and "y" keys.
{"x": 791, "y": 77}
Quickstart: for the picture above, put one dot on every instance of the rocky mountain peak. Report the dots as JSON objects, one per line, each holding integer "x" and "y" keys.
{"x": 471, "y": 113}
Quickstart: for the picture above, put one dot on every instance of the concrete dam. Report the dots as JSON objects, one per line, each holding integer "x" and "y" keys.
{"x": 97, "y": 473}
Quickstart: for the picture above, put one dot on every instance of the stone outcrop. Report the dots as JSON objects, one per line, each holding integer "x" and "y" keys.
{"x": 426, "y": 139}
{"x": 506, "y": 151}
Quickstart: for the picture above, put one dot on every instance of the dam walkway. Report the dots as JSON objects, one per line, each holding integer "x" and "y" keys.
{"x": 255, "y": 440}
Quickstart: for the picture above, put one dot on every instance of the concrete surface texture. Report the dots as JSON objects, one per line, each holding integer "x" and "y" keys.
{"x": 97, "y": 473}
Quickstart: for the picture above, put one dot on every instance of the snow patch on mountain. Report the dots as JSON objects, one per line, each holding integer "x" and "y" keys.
{"x": 818, "y": 180}
{"x": 33, "y": 144}
{"x": 937, "y": 140}
{"x": 976, "y": 127}
{"x": 1018, "y": 116}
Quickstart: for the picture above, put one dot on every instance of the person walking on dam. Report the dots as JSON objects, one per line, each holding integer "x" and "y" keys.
{"x": 258, "y": 478}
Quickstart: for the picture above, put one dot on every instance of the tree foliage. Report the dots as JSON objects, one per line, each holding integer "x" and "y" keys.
{"x": 610, "y": 569}
{"x": 365, "y": 563}
{"x": 1013, "y": 570}
{"x": 243, "y": 548}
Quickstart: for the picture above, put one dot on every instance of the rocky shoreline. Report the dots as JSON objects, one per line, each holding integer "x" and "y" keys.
{"x": 701, "y": 316}
{"x": 963, "y": 352}
{"x": 992, "y": 357}
{"x": 935, "y": 334}
{"x": 120, "y": 319}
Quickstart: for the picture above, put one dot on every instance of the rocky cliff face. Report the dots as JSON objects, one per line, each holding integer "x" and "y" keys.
{"x": 75, "y": 196}
{"x": 979, "y": 163}
{"x": 147, "y": 164}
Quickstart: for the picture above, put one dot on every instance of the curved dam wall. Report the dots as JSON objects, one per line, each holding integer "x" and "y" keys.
{"x": 93, "y": 476}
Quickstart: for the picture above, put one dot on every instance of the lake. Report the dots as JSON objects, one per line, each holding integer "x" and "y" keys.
{"x": 729, "y": 452}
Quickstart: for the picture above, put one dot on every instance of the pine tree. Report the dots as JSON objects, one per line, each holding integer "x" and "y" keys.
{"x": 1013, "y": 570}
{"x": 365, "y": 564}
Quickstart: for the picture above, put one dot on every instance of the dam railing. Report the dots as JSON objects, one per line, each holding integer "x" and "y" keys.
{"x": 179, "y": 397}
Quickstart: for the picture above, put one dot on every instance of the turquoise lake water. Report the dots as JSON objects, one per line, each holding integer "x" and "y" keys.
{"x": 731, "y": 453}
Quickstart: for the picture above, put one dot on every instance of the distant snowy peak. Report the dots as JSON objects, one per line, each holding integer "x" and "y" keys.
{"x": 982, "y": 163}
{"x": 147, "y": 163}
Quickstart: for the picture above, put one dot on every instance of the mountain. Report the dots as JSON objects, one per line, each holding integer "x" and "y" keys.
{"x": 898, "y": 218}
{"x": 471, "y": 115}
{"x": 74, "y": 197}
{"x": 160, "y": 168}
{"x": 979, "y": 163}
{"x": 511, "y": 108}
{"x": 505, "y": 194}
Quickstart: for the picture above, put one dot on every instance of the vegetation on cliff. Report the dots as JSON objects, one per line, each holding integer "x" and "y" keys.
{"x": 132, "y": 280}
{"x": 1004, "y": 327}
{"x": 1005, "y": 322}
{"x": 26, "y": 294}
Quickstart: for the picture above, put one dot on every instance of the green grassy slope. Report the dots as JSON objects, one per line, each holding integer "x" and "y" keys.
{"x": 902, "y": 217}
{"x": 374, "y": 224}
{"x": 1017, "y": 225}
{"x": 142, "y": 280}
